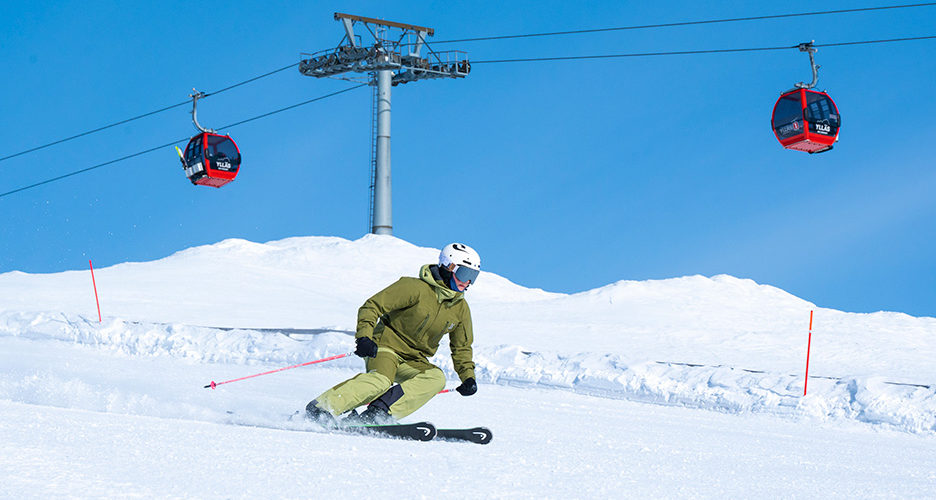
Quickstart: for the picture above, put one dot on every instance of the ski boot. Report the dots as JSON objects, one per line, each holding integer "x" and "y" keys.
{"x": 377, "y": 413}
{"x": 320, "y": 416}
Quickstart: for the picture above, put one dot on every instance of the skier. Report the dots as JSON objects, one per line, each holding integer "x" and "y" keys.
{"x": 398, "y": 329}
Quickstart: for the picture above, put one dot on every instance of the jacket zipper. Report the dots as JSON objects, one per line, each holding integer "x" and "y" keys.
{"x": 419, "y": 330}
{"x": 418, "y": 335}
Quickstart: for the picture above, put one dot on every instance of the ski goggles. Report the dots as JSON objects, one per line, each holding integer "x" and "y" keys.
{"x": 466, "y": 274}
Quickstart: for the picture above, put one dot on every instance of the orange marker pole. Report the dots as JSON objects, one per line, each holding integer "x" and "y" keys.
{"x": 808, "y": 346}
{"x": 95, "y": 292}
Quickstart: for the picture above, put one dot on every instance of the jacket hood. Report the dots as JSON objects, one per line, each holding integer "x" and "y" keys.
{"x": 442, "y": 292}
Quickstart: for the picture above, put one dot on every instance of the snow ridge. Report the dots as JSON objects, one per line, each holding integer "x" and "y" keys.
{"x": 870, "y": 400}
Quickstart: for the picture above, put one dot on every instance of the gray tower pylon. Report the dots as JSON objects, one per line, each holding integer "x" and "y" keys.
{"x": 383, "y": 207}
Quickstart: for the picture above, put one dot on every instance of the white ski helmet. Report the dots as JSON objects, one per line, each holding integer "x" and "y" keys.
{"x": 467, "y": 261}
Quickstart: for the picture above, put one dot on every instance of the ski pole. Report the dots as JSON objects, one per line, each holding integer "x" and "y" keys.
{"x": 214, "y": 384}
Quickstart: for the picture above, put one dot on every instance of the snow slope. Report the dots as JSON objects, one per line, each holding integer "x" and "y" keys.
{"x": 236, "y": 308}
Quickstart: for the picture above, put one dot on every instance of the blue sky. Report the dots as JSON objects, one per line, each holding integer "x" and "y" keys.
{"x": 565, "y": 175}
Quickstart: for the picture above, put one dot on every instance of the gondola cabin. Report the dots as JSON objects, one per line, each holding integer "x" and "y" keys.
{"x": 806, "y": 120}
{"x": 211, "y": 159}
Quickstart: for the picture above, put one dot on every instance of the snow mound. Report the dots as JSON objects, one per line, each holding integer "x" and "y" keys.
{"x": 718, "y": 343}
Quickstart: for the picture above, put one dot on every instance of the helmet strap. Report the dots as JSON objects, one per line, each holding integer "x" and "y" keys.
{"x": 445, "y": 274}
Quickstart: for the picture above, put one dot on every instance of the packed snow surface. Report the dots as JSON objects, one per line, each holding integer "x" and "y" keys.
{"x": 95, "y": 408}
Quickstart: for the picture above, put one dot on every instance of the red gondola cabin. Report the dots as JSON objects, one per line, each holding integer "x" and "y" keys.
{"x": 211, "y": 159}
{"x": 806, "y": 120}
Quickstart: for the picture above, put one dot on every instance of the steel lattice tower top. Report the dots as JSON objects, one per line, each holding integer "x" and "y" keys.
{"x": 392, "y": 57}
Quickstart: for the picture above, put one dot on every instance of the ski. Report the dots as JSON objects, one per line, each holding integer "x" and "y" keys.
{"x": 479, "y": 435}
{"x": 420, "y": 431}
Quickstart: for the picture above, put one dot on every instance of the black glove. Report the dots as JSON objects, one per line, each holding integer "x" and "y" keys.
{"x": 468, "y": 387}
{"x": 365, "y": 347}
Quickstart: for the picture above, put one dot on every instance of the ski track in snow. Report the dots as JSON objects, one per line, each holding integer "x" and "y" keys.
{"x": 548, "y": 444}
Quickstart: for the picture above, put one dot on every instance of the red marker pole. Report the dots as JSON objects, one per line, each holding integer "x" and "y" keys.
{"x": 95, "y": 292}
{"x": 808, "y": 347}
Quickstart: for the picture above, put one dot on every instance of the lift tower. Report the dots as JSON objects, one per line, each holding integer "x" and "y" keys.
{"x": 392, "y": 56}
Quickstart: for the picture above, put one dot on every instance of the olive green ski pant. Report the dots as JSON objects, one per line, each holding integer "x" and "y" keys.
{"x": 419, "y": 379}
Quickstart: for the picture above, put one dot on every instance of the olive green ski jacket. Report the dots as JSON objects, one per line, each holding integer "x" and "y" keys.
{"x": 411, "y": 316}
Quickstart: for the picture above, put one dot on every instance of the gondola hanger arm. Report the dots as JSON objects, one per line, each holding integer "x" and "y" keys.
{"x": 808, "y": 47}
{"x": 196, "y": 95}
